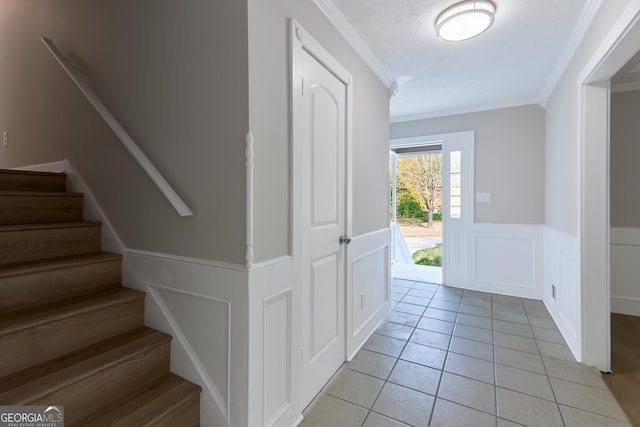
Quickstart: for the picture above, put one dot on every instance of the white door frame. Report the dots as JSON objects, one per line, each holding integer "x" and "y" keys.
{"x": 301, "y": 40}
{"x": 467, "y": 138}
{"x": 620, "y": 44}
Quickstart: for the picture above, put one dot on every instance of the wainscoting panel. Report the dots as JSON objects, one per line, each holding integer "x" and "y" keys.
{"x": 368, "y": 291}
{"x": 562, "y": 273}
{"x": 183, "y": 309}
{"x": 276, "y": 328}
{"x": 203, "y": 306}
{"x": 274, "y": 345}
{"x": 507, "y": 259}
{"x": 625, "y": 270}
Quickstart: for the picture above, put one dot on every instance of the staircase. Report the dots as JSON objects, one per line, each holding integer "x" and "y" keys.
{"x": 70, "y": 334}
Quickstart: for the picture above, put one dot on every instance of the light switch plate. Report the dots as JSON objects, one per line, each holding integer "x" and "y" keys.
{"x": 483, "y": 197}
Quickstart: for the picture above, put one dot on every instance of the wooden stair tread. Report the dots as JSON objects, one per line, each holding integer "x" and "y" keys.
{"x": 33, "y": 316}
{"x": 32, "y": 173}
{"x": 27, "y": 267}
{"x": 39, "y": 380}
{"x": 39, "y": 193}
{"x": 147, "y": 406}
{"x": 71, "y": 333}
{"x": 48, "y": 225}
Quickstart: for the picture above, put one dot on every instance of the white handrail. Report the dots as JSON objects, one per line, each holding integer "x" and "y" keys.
{"x": 149, "y": 168}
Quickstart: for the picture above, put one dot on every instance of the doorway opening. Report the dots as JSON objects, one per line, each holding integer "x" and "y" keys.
{"x": 456, "y": 207}
{"x": 416, "y": 211}
{"x": 620, "y": 44}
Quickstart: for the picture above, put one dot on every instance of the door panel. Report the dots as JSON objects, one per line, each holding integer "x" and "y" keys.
{"x": 324, "y": 299}
{"x": 324, "y": 156}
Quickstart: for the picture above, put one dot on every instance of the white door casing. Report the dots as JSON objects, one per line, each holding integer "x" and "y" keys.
{"x": 320, "y": 134}
{"x": 620, "y": 44}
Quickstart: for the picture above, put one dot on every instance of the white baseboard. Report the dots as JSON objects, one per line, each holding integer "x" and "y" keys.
{"x": 59, "y": 166}
{"x": 625, "y": 305}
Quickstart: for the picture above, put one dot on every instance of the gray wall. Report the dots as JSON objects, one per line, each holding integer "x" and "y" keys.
{"x": 509, "y": 159}
{"x": 175, "y": 75}
{"x": 269, "y": 123}
{"x": 625, "y": 154}
{"x": 562, "y": 156}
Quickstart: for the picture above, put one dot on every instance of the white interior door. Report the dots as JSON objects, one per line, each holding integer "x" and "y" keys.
{"x": 458, "y": 204}
{"x": 321, "y": 105}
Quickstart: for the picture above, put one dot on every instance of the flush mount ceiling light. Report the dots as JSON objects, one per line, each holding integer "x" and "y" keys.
{"x": 465, "y": 20}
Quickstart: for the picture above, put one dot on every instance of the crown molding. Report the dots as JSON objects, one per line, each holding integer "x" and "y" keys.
{"x": 333, "y": 14}
{"x": 579, "y": 32}
{"x": 625, "y": 87}
{"x": 466, "y": 110}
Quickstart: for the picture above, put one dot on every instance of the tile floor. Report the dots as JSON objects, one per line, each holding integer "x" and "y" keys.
{"x": 448, "y": 357}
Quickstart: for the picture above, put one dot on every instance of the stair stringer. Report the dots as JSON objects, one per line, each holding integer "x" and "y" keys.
{"x": 158, "y": 314}
{"x": 111, "y": 241}
{"x": 214, "y": 410}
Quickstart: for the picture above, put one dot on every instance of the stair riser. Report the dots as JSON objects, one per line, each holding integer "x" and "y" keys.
{"x": 69, "y": 334}
{"x": 30, "y": 182}
{"x": 45, "y": 341}
{"x": 40, "y": 209}
{"x": 41, "y": 287}
{"x": 30, "y": 245}
{"x": 80, "y": 397}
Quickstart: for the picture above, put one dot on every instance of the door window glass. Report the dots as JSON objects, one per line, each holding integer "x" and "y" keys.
{"x": 455, "y": 184}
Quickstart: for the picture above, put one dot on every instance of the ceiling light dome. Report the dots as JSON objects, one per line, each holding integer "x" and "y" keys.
{"x": 465, "y": 20}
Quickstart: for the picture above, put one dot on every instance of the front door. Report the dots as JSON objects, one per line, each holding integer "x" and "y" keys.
{"x": 322, "y": 103}
{"x": 458, "y": 212}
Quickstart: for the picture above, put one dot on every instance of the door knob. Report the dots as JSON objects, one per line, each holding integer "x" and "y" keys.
{"x": 345, "y": 240}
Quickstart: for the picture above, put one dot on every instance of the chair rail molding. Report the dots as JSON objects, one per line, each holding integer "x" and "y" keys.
{"x": 178, "y": 204}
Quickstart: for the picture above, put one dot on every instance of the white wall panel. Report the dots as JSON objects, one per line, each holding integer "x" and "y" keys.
{"x": 368, "y": 292}
{"x": 516, "y": 264}
{"x": 562, "y": 271}
{"x": 277, "y": 324}
{"x": 625, "y": 270}
{"x": 184, "y": 310}
{"x": 203, "y": 306}
{"x": 274, "y": 345}
{"x": 508, "y": 259}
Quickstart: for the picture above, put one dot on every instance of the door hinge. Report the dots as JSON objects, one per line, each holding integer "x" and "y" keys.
{"x": 345, "y": 240}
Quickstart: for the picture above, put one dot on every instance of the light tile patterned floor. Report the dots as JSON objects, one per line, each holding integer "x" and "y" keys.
{"x": 448, "y": 357}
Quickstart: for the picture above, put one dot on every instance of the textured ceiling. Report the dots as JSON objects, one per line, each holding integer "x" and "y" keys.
{"x": 509, "y": 64}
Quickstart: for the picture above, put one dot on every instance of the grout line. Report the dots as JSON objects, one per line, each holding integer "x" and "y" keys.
{"x": 448, "y": 352}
